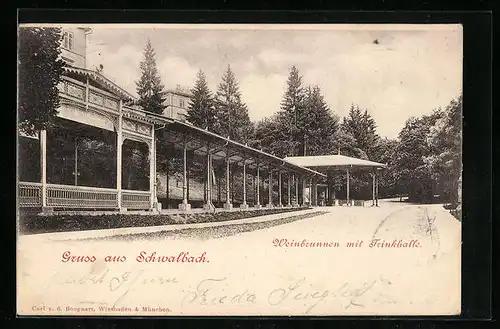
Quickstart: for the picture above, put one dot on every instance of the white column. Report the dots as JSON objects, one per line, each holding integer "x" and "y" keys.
{"x": 119, "y": 158}
{"x": 244, "y": 204}
{"x": 373, "y": 188}
{"x": 289, "y": 204}
{"x": 43, "y": 166}
{"x": 310, "y": 191}
{"x": 209, "y": 205}
{"x": 347, "y": 196}
{"x": 304, "y": 186}
{"x": 257, "y": 202}
{"x": 376, "y": 190}
{"x": 228, "y": 205}
{"x": 280, "y": 204}
{"x": 270, "y": 189}
{"x": 185, "y": 206}
{"x": 152, "y": 174}
{"x": 296, "y": 182}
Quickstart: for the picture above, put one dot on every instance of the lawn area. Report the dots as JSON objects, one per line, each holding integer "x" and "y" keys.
{"x": 35, "y": 224}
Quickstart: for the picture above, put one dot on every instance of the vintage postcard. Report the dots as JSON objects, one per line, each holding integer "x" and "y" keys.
{"x": 225, "y": 170}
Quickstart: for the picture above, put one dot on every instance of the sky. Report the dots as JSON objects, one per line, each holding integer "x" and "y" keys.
{"x": 393, "y": 71}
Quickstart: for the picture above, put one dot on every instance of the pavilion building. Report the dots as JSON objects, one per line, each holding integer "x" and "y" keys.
{"x": 96, "y": 115}
{"x": 332, "y": 165}
{"x": 85, "y": 161}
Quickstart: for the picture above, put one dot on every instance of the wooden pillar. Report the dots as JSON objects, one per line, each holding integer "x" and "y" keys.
{"x": 304, "y": 186}
{"x": 289, "y": 204}
{"x": 330, "y": 188}
{"x": 208, "y": 204}
{"x": 185, "y": 206}
{"x": 296, "y": 182}
{"x": 119, "y": 158}
{"x": 373, "y": 188}
{"x": 270, "y": 189}
{"x": 280, "y": 204}
{"x": 376, "y": 190}
{"x": 188, "y": 176}
{"x": 43, "y": 166}
{"x": 228, "y": 205}
{"x": 152, "y": 173}
{"x": 244, "y": 204}
{"x": 257, "y": 202}
{"x": 327, "y": 194}
{"x": 347, "y": 195}
{"x": 310, "y": 191}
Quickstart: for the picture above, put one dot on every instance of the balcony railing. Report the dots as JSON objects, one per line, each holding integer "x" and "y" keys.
{"x": 65, "y": 196}
{"x": 136, "y": 199}
{"x": 30, "y": 194}
{"x": 97, "y": 98}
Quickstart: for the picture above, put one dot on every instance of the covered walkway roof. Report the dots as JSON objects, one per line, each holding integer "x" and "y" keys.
{"x": 201, "y": 140}
{"x": 336, "y": 161}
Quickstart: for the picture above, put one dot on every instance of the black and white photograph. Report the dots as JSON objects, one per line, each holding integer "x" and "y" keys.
{"x": 239, "y": 169}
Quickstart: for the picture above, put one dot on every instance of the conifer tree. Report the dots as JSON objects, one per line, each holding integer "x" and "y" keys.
{"x": 40, "y": 71}
{"x": 150, "y": 87}
{"x": 318, "y": 123}
{"x": 201, "y": 110}
{"x": 292, "y": 111}
{"x": 361, "y": 125}
{"x": 232, "y": 113}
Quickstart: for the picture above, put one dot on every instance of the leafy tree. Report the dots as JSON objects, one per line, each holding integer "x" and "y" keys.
{"x": 40, "y": 70}
{"x": 150, "y": 87}
{"x": 201, "y": 111}
{"x": 445, "y": 143}
{"x": 413, "y": 175}
{"x": 232, "y": 113}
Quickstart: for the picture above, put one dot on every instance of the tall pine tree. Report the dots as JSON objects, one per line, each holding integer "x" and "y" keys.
{"x": 201, "y": 111}
{"x": 361, "y": 125}
{"x": 150, "y": 87}
{"x": 292, "y": 111}
{"x": 40, "y": 71}
{"x": 318, "y": 123}
{"x": 232, "y": 113}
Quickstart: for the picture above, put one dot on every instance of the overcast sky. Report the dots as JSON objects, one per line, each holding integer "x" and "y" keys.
{"x": 393, "y": 71}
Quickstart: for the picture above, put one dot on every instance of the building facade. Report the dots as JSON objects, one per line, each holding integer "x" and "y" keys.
{"x": 74, "y": 46}
{"x": 177, "y": 102}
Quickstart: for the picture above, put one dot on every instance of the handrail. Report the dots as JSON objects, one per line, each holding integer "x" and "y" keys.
{"x": 82, "y": 188}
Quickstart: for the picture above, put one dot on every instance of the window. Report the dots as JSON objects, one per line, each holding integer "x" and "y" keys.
{"x": 68, "y": 40}
{"x": 181, "y": 103}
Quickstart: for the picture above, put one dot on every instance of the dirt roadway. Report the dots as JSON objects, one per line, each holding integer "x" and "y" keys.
{"x": 326, "y": 267}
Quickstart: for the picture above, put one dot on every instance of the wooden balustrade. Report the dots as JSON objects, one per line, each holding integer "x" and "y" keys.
{"x": 30, "y": 194}
{"x": 66, "y": 196}
{"x": 136, "y": 199}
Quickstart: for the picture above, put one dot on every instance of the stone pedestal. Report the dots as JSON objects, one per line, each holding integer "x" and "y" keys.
{"x": 228, "y": 206}
{"x": 208, "y": 206}
{"x": 258, "y": 206}
{"x": 47, "y": 210}
{"x": 336, "y": 203}
{"x": 185, "y": 206}
{"x": 269, "y": 206}
{"x": 244, "y": 206}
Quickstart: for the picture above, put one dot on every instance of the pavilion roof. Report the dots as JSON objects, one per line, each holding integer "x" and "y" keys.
{"x": 201, "y": 140}
{"x": 332, "y": 161}
{"x": 102, "y": 80}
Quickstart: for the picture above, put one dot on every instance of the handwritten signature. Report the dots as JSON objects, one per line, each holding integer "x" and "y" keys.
{"x": 119, "y": 284}
{"x": 214, "y": 292}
